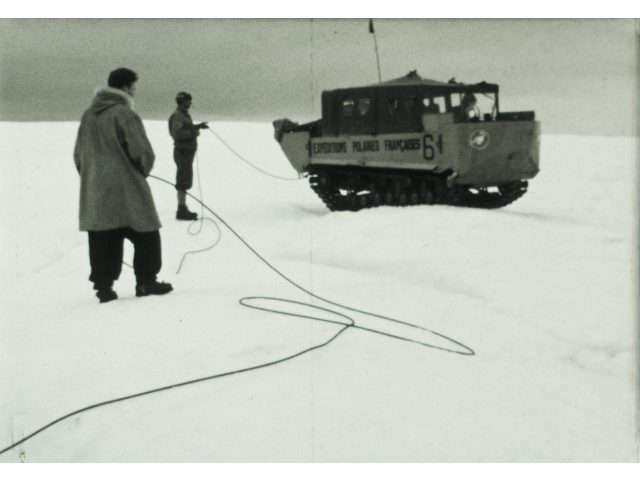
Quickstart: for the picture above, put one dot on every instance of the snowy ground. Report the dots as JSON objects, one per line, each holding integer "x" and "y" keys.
{"x": 543, "y": 291}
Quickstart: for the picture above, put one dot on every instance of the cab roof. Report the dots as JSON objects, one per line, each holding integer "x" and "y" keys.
{"x": 415, "y": 81}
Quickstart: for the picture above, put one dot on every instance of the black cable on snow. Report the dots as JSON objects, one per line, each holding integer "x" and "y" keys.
{"x": 246, "y": 161}
{"x": 246, "y": 301}
{"x": 172, "y": 386}
{"x": 200, "y": 222}
{"x": 466, "y": 350}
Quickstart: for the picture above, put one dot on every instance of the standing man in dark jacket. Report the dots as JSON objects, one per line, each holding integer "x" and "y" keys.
{"x": 184, "y": 134}
{"x": 114, "y": 157}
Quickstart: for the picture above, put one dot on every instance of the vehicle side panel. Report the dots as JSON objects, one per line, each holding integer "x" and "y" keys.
{"x": 398, "y": 151}
{"x": 482, "y": 154}
{"x": 491, "y": 153}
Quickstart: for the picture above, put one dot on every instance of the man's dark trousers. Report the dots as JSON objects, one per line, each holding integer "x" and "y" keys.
{"x": 105, "y": 255}
{"x": 184, "y": 173}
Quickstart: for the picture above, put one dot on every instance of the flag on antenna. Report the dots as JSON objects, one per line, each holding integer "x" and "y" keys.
{"x": 371, "y": 26}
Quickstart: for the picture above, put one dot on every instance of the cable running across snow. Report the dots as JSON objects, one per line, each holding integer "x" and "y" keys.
{"x": 200, "y": 222}
{"x": 348, "y": 322}
{"x": 247, "y": 162}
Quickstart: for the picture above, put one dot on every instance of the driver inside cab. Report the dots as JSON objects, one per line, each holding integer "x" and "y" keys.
{"x": 467, "y": 110}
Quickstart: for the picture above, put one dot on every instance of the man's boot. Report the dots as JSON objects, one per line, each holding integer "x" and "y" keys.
{"x": 105, "y": 292}
{"x": 184, "y": 213}
{"x": 153, "y": 288}
{"x": 106, "y": 295}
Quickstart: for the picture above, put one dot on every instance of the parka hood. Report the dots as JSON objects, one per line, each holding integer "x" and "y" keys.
{"x": 107, "y": 97}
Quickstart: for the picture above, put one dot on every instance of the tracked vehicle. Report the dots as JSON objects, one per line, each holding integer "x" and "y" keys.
{"x": 412, "y": 141}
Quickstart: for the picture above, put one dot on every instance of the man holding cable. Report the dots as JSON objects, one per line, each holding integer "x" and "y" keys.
{"x": 184, "y": 134}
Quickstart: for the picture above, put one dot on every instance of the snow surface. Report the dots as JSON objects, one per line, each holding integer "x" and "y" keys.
{"x": 543, "y": 291}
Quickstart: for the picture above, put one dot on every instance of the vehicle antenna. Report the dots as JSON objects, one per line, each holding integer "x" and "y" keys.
{"x": 375, "y": 43}
{"x": 311, "y": 60}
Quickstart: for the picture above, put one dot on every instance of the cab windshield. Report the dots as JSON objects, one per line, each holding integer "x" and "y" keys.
{"x": 476, "y": 106}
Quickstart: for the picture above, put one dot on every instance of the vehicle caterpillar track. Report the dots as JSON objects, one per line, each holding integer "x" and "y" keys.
{"x": 354, "y": 189}
{"x": 412, "y": 141}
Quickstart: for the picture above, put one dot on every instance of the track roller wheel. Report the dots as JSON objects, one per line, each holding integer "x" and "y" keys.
{"x": 388, "y": 198}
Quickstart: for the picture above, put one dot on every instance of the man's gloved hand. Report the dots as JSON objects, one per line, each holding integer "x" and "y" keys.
{"x": 202, "y": 125}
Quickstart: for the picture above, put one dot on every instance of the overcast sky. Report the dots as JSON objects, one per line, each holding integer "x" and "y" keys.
{"x": 578, "y": 75}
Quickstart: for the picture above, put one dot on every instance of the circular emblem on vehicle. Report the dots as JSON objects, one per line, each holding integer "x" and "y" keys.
{"x": 479, "y": 139}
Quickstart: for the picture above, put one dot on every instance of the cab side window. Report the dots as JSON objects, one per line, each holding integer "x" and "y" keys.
{"x": 433, "y": 105}
{"x": 455, "y": 100}
{"x": 394, "y": 106}
{"x": 364, "y": 105}
{"x": 348, "y": 107}
{"x": 410, "y": 104}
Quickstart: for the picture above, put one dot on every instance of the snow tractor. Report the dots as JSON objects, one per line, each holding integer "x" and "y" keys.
{"x": 412, "y": 141}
